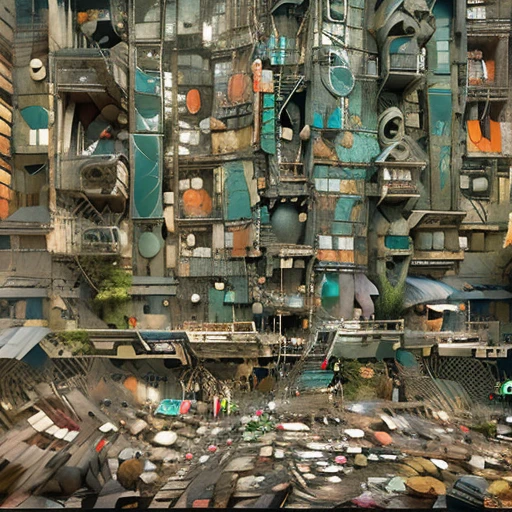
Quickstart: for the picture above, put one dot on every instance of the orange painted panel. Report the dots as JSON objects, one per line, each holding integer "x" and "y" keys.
{"x": 5, "y": 146}
{"x": 193, "y": 101}
{"x": 491, "y": 70}
{"x": 240, "y": 243}
{"x": 339, "y": 256}
{"x": 196, "y": 203}
{"x": 5, "y": 192}
{"x": 239, "y": 88}
{"x": 4, "y": 209}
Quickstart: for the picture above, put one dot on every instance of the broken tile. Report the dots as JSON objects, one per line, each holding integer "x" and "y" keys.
{"x": 240, "y": 464}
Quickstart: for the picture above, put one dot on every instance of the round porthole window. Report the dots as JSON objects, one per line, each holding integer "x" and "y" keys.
{"x": 336, "y": 74}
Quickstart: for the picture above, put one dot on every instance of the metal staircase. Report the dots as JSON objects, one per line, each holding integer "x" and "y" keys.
{"x": 310, "y": 362}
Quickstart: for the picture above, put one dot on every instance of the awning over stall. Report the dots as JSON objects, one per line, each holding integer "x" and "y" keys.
{"x": 420, "y": 290}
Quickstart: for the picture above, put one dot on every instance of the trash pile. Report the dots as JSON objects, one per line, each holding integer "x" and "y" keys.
{"x": 304, "y": 452}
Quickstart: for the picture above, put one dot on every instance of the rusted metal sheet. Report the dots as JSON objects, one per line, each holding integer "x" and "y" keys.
{"x": 241, "y": 241}
{"x": 231, "y": 141}
{"x": 336, "y": 256}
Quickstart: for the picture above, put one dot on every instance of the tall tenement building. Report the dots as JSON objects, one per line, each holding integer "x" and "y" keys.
{"x": 256, "y": 180}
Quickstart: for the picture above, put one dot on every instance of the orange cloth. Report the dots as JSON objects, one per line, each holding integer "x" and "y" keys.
{"x": 481, "y": 143}
{"x": 495, "y": 137}
{"x": 474, "y": 132}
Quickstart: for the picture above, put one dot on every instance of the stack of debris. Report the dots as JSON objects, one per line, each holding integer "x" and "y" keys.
{"x": 73, "y": 450}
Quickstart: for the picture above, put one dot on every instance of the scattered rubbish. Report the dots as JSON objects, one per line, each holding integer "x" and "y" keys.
{"x": 293, "y": 427}
{"x": 354, "y": 433}
{"x": 425, "y": 486}
{"x": 310, "y": 455}
{"x": 383, "y": 438}
{"x": 169, "y": 407}
{"x": 441, "y": 464}
{"x": 477, "y": 461}
{"x": 340, "y": 459}
{"x": 165, "y": 438}
{"x": 396, "y": 484}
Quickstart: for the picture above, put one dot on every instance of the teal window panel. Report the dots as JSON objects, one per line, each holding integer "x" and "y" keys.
{"x": 396, "y": 242}
{"x": 440, "y": 110}
{"x": 344, "y": 207}
{"x": 5, "y": 242}
{"x": 34, "y": 309}
{"x": 318, "y": 120}
{"x": 398, "y": 44}
{"x": 147, "y": 186}
{"x": 36, "y": 117}
{"x": 217, "y": 310}
{"x": 268, "y": 125}
{"x": 264, "y": 215}
{"x": 238, "y": 203}
{"x": 147, "y": 112}
{"x": 147, "y": 83}
{"x": 342, "y": 228}
{"x": 335, "y": 120}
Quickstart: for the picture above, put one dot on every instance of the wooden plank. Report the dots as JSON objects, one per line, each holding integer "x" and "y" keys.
{"x": 274, "y": 499}
{"x": 176, "y": 485}
{"x": 6, "y": 85}
{"x": 198, "y": 488}
{"x": 224, "y": 489}
{"x": 5, "y": 112}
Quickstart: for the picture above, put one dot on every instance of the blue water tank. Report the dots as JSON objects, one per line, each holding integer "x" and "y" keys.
{"x": 286, "y": 225}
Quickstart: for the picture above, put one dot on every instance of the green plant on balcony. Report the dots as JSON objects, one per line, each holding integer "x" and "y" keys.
{"x": 77, "y": 342}
{"x": 111, "y": 285}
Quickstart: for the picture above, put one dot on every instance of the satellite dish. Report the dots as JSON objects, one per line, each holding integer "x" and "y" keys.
{"x": 195, "y": 298}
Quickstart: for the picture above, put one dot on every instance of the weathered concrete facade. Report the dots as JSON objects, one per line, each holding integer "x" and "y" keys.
{"x": 292, "y": 163}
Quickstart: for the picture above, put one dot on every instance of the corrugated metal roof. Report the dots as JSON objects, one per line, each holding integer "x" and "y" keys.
{"x": 419, "y": 290}
{"x": 17, "y": 342}
{"x": 39, "y": 214}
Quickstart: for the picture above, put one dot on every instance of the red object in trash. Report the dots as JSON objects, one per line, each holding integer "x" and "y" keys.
{"x": 216, "y": 406}
{"x": 324, "y": 364}
{"x": 464, "y": 429}
{"x": 101, "y": 445}
{"x": 185, "y": 407}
